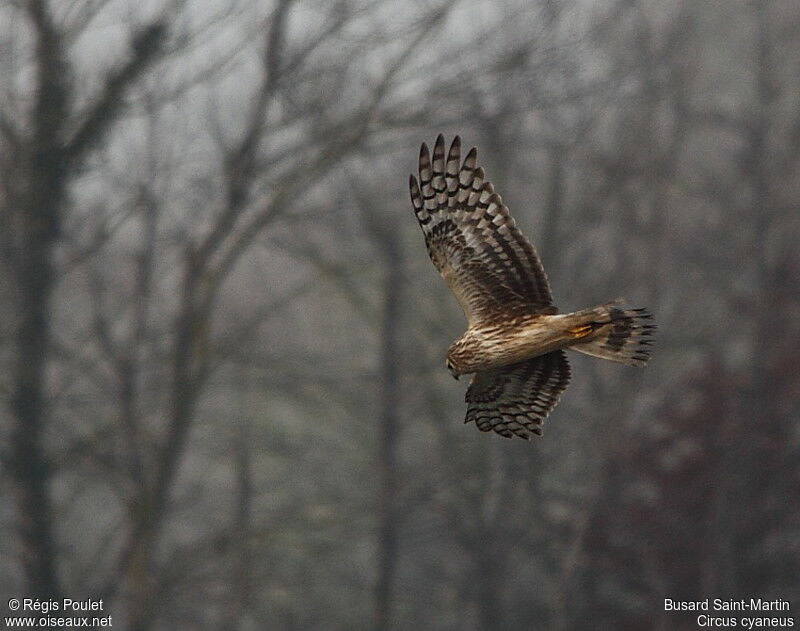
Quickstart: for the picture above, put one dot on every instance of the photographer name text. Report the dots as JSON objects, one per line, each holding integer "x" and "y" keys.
{"x": 66, "y": 605}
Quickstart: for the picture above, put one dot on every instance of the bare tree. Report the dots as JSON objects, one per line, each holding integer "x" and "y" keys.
{"x": 39, "y": 165}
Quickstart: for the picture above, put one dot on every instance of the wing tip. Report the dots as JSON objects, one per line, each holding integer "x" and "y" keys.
{"x": 425, "y": 154}
{"x": 472, "y": 157}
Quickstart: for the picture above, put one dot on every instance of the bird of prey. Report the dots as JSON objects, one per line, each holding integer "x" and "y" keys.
{"x": 515, "y": 338}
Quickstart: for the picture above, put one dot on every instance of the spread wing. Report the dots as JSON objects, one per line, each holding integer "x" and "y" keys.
{"x": 472, "y": 240}
{"x": 515, "y": 399}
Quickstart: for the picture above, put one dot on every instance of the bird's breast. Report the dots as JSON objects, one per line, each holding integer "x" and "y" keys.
{"x": 513, "y": 341}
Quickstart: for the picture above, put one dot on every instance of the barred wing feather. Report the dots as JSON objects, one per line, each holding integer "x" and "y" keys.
{"x": 514, "y": 400}
{"x": 472, "y": 239}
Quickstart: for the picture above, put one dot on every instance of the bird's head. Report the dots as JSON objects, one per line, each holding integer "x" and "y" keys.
{"x": 458, "y": 359}
{"x": 452, "y": 368}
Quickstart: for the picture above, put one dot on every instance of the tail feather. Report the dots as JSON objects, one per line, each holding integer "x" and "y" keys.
{"x": 621, "y": 335}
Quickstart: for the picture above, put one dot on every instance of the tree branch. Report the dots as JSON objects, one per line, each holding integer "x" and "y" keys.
{"x": 146, "y": 46}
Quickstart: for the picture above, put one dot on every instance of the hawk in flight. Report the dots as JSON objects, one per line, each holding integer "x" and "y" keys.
{"x": 515, "y": 338}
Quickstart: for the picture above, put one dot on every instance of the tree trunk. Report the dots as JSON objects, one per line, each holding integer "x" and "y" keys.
{"x": 38, "y": 217}
{"x": 30, "y": 469}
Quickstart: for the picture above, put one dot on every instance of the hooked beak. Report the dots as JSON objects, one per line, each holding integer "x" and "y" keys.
{"x": 452, "y": 369}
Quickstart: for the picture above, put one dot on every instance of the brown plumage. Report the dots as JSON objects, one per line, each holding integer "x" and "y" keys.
{"x": 515, "y": 338}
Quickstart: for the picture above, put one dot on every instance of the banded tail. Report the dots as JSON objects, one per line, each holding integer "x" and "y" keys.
{"x": 621, "y": 335}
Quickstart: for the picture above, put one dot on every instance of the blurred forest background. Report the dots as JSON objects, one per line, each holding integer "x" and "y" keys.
{"x": 222, "y": 341}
